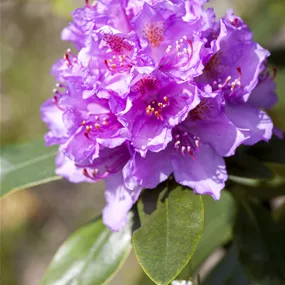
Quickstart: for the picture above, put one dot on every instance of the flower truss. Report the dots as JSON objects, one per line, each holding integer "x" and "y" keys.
{"x": 156, "y": 88}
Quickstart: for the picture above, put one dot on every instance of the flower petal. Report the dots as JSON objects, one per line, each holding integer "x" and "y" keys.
{"x": 251, "y": 121}
{"x": 219, "y": 132}
{"x": 205, "y": 175}
{"x": 119, "y": 202}
{"x": 148, "y": 171}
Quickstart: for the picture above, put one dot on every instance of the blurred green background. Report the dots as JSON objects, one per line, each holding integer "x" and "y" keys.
{"x": 36, "y": 221}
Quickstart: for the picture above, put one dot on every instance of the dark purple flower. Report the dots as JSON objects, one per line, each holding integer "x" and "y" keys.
{"x": 158, "y": 87}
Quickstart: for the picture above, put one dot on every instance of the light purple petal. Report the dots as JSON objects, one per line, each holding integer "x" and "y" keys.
{"x": 264, "y": 94}
{"x": 148, "y": 171}
{"x": 251, "y": 121}
{"x": 119, "y": 201}
{"x": 205, "y": 175}
{"x": 67, "y": 169}
{"x": 219, "y": 132}
{"x": 53, "y": 117}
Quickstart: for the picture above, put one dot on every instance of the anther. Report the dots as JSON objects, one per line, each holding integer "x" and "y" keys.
{"x": 55, "y": 101}
{"x": 191, "y": 48}
{"x": 86, "y": 135}
{"x": 235, "y": 22}
{"x": 165, "y": 99}
{"x": 94, "y": 172}
{"x": 85, "y": 172}
{"x": 239, "y": 72}
{"x": 67, "y": 59}
{"x": 97, "y": 126}
{"x": 197, "y": 143}
{"x": 177, "y": 144}
{"x": 88, "y": 128}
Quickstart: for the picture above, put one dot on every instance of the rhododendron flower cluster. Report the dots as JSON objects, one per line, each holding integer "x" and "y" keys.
{"x": 155, "y": 88}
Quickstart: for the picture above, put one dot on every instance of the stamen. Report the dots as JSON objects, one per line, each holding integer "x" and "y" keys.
{"x": 177, "y": 144}
{"x": 122, "y": 63}
{"x": 186, "y": 142}
{"x": 86, "y": 135}
{"x": 67, "y": 58}
{"x": 225, "y": 83}
{"x": 239, "y": 72}
{"x": 234, "y": 22}
{"x": 191, "y": 48}
{"x": 94, "y": 174}
{"x": 55, "y": 101}
{"x": 156, "y": 108}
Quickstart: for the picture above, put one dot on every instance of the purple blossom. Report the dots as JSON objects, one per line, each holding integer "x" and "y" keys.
{"x": 155, "y": 88}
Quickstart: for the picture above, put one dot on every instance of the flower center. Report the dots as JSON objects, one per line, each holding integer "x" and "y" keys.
{"x": 109, "y": 162}
{"x": 154, "y": 32}
{"x": 211, "y": 67}
{"x": 186, "y": 142}
{"x": 146, "y": 84}
{"x": 117, "y": 44}
{"x": 156, "y": 107}
{"x": 200, "y": 112}
{"x": 120, "y": 61}
{"x": 98, "y": 123}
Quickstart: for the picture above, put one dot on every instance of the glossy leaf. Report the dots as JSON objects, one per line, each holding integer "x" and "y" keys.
{"x": 258, "y": 245}
{"x": 217, "y": 227}
{"x": 26, "y": 165}
{"x": 217, "y": 231}
{"x": 91, "y": 256}
{"x": 169, "y": 235}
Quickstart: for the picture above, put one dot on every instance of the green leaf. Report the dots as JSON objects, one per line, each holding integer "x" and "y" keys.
{"x": 258, "y": 244}
{"x": 274, "y": 151}
{"x": 227, "y": 271}
{"x": 26, "y": 165}
{"x": 91, "y": 256}
{"x": 217, "y": 227}
{"x": 169, "y": 235}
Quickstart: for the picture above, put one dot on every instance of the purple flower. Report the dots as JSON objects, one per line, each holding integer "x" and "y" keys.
{"x": 150, "y": 114}
{"x": 156, "y": 88}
